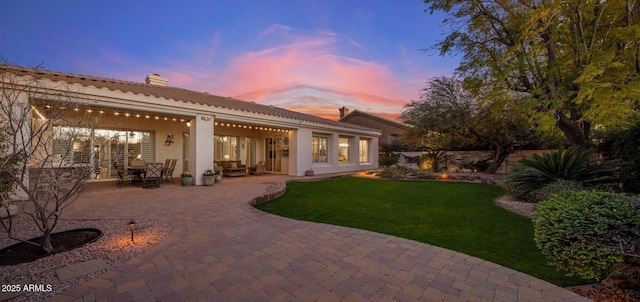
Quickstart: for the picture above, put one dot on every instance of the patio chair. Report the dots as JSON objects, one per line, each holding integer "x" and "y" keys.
{"x": 122, "y": 175}
{"x": 258, "y": 169}
{"x": 168, "y": 170}
{"x": 152, "y": 175}
{"x": 166, "y": 165}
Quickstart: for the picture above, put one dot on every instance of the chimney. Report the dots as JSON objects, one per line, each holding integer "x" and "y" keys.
{"x": 156, "y": 79}
{"x": 343, "y": 111}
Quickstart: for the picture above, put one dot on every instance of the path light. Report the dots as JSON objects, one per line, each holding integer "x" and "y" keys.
{"x": 132, "y": 225}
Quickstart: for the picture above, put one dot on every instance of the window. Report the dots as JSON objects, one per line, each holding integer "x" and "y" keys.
{"x": 343, "y": 149}
{"x": 319, "y": 149}
{"x": 226, "y": 147}
{"x": 101, "y": 148}
{"x": 364, "y": 151}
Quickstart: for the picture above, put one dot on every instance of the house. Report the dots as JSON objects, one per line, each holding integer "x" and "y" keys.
{"x": 152, "y": 121}
{"x": 391, "y": 131}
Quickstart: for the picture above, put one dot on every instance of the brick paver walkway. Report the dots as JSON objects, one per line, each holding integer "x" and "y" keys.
{"x": 222, "y": 249}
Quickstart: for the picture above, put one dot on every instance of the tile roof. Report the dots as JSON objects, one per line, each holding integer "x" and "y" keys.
{"x": 375, "y": 117}
{"x": 180, "y": 94}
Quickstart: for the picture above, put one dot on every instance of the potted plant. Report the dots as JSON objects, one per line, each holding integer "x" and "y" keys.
{"x": 186, "y": 179}
{"x": 208, "y": 178}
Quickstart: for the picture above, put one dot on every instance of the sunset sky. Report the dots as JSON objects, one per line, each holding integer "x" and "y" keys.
{"x": 304, "y": 55}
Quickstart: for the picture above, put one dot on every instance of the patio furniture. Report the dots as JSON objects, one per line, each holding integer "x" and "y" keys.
{"x": 137, "y": 172}
{"x": 233, "y": 168}
{"x": 137, "y": 162}
{"x": 122, "y": 176}
{"x": 258, "y": 169}
{"x": 167, "y": 162}
{"x": 168, "y": 169}
{"x": 152, "y": 175}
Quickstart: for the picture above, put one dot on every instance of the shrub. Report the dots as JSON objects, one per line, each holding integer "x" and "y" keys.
{"x": 396, "y": 172}
{"x": 624, "y": 145}
{"x": 388, "y": 161}
{"x": 574, "y": 164}
{"x": 516, "y": 191}
{"x": 574, "y": 229}
{"x": 558, "y": 186}
{"x": 479, "y": 165}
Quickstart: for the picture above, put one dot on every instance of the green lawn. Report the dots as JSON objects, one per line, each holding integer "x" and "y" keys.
{"x": 457, "y": 216}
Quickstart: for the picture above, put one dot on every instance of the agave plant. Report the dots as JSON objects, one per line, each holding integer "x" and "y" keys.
{"x": 573, "y": 164}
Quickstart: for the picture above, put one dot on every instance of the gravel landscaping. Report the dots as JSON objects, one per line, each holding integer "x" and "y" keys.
{"x": 114, "y": 247}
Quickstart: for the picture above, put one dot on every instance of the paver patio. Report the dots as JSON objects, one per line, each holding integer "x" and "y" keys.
{"x": 222, "y": 249}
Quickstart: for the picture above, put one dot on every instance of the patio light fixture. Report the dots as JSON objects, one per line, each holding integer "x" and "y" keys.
{"x": 132, "y": 225}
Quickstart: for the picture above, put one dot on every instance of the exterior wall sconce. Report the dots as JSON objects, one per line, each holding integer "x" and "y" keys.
{"x": 169, "y": 140}
{"x": 132, "y": 225}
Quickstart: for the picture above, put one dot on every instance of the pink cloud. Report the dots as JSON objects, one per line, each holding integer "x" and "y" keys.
{"x": 314, "y": 72}
{"x": 275, "y": 75}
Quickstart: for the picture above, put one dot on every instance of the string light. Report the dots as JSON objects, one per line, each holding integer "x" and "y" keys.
{"x": 158, "y": 118}
{"x": 250, "y": 127}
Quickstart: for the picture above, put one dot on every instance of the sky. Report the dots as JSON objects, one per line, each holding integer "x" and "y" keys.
{"x": 304, "y": 55}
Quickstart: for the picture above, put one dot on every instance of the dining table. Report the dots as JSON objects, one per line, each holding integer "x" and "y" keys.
{"x": 137, "y": 172}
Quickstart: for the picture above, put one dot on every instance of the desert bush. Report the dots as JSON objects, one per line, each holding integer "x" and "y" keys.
{"x": 581, "y": 231}
{"x": 573, "y": 164}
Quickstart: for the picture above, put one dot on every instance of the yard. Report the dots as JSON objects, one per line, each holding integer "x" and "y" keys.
{"x": 457, "y": 216}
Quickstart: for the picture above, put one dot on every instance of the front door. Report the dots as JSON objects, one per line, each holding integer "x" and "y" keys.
{"x": 273, "y": 154}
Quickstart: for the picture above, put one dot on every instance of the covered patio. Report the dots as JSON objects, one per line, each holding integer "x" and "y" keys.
{"x": 120, "y": 121}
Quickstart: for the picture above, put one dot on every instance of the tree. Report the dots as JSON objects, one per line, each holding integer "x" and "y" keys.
{"x": 578, "y": 62}
{"x": 36, "y": 155}
{"x": 446, "y": 108}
